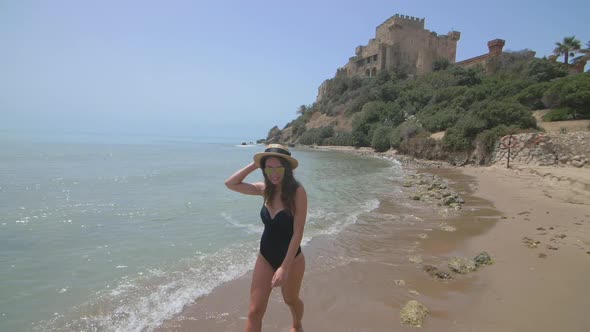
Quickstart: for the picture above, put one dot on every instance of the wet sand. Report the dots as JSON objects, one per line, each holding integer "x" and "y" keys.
{"x": 352, "y": 279}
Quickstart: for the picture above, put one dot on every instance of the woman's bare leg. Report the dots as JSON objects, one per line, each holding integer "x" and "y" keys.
{"x": 291, "y": 291}
{"x": 259, "y": 293}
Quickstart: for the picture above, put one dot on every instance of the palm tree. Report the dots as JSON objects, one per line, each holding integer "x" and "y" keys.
{"x": 567, "y": 48}
{"x": 303, "y": 109}
{"x": 585, "y": 57}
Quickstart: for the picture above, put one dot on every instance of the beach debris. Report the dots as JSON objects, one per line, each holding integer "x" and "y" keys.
{"x": 503, "y": 217}
{"x": 414, "y": 292}
{"x": 542, "y": 255}
{"x": 483, "y": 258}
{"x": 447, "y": 227}
{"x": 413, "y": 313}
{"x": 540, "y": 228}
{"x": 462, "y": 265}
{"x": 431, "y": 188}
{"x": 433, "y": 271}
{"x": 415, "y": 259}
{"x": 523, "y": 212}
{"x": 550, "y": 247}
{"x": 423, "y": 235}
{"x": 416, "y": 196}
{"x": 561, "y": 236}
{"x": 400, "y": 282}
{"x": 530, "y": 243}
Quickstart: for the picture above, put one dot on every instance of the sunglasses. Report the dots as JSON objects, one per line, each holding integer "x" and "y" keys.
{"x": 271, "y": 170}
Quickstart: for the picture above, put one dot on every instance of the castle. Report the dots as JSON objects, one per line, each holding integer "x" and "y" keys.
{"x": 402, "y": 43}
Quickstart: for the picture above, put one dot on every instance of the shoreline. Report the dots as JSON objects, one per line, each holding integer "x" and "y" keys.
{"x": 519, "y": 292}
{"x": 540, "y": 245}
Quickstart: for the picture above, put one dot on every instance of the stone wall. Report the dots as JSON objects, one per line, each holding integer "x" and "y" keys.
{"x": 538, "y": 149}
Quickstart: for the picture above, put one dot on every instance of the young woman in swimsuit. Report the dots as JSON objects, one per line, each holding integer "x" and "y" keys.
{"x": 280, "y": 262}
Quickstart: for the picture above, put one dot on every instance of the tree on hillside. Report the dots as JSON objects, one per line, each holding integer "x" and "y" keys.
{"x": 302, "y": 109}
{"x": 568, "y": 48}
{"x": 585, "y": 57}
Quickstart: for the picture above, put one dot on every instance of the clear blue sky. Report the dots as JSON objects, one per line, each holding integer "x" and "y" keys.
{"x": 220, "y": 68}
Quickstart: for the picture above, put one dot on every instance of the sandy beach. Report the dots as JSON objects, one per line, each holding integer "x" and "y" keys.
{"x": 541, "y": 248}
{"x": 535, "y": 224}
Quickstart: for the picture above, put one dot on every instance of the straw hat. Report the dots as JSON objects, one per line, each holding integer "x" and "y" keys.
{"x": 276, "y": 150}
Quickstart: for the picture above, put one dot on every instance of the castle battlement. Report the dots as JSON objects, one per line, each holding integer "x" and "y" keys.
{"x": 408, "y": 18}
{"x": 403, "y": 20}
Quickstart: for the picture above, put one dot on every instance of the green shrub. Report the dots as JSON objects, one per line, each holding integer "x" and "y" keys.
{"x": 572, "y": 91}
{"x": 298, "y": 128}
{"x": 559, "y": 114}
{"x": 422, "y": 146}
{"x": 440, "y": 119}
{"x": 495, "y": 113}
{"x": 316, "y": 136}
{"x": 311, "y": 137}
{"x": 459, "y": 137}
{"x": 362, "y": 125}
{"x": 467, "y": 77}
{"x": 404, "y": 132}
{"x": 339, "y": 139}
{"x": 532, "y": 96}
{"x": 543, "y": 70}
{"x": 380, "y": 140}
{"x": 357, "y": 103}
{"x": 374, "y": 113}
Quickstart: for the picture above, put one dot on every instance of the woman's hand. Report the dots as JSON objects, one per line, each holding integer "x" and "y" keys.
{"x": 279, "y": 277}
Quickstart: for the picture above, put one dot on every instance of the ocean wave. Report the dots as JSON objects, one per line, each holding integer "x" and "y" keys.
{"x": 143, "y": 301}
{"x": 248, "y": 227}
{"x": 340, "y": 220}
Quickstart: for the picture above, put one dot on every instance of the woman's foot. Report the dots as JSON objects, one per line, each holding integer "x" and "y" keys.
{"x": 296, "y": 330}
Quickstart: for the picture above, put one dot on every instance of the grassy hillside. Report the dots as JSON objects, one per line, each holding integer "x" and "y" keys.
{"x": 471, "y": 106}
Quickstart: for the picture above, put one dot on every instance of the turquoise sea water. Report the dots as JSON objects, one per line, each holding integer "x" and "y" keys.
{"x": 119, "y": 233}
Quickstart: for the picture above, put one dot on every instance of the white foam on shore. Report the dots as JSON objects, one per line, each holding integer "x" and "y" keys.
{"x": 144, "y": 301}
{"x": 248, "y": 227}
{"x": 340, "y": 221}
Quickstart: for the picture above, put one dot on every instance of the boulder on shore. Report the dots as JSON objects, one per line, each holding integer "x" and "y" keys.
{"x": 483, "y": 259}
{"x": 413, "y": 313}
{"x": 462, "y": 265}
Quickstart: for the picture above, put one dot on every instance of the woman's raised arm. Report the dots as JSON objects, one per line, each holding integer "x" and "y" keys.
{"x": 235, "y": 182}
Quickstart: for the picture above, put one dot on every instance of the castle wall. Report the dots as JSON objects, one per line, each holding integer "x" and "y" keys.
{"x": 495, "y": 49}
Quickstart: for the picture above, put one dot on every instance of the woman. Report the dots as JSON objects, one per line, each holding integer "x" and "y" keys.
{"x": 280, "y": 262}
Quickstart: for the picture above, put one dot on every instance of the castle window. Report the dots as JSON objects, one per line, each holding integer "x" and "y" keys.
{"x": 369, "y": 60}
{"x": 374, "y": 71}
{"x": 367, "y": 73}
{"x": 375, "y": 57}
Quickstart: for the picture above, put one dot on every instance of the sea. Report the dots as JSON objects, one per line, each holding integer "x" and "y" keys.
{"x": 120, "y": 232}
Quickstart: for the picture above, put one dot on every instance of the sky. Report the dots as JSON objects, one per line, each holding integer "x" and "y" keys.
{"x": 220, "y": 68}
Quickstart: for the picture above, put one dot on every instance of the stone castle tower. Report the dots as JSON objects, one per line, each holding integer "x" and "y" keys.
{"x": 402, "y": 42}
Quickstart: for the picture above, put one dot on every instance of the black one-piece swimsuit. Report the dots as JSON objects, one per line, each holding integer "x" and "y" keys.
{"x": 276, "y": 237}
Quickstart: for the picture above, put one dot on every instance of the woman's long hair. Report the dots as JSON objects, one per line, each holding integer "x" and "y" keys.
{"x": 289, "y": 186}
